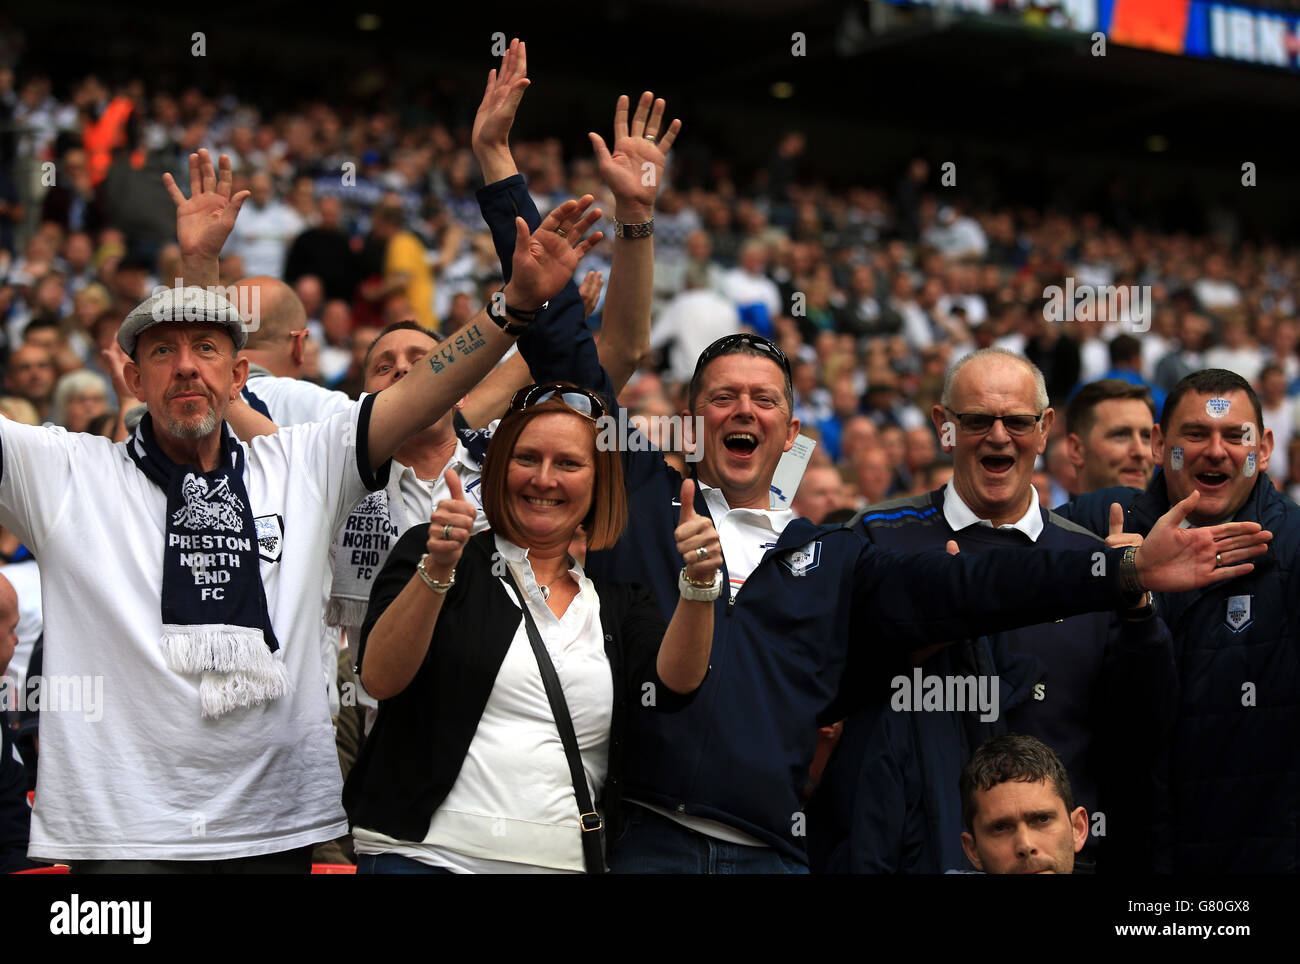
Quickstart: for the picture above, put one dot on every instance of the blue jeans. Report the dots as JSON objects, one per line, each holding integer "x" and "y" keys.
{"x": 394, "y": 864}
{"x": 651, "y": 844}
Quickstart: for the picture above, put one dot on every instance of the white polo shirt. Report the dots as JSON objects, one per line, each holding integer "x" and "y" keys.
{"x": 960, "y": 516}
{"x": 140, "y": 774}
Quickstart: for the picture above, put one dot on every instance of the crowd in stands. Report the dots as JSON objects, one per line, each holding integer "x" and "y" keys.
{"x": 874, "y": 291}
{"x": 867, "y": 299}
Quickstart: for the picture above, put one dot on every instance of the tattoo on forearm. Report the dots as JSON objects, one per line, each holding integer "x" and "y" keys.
{"x": 465, "y": 343}
{"x": 470, "y": 340}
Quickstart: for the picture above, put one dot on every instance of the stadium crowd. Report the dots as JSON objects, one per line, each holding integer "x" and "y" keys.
{"x": 872, "y": 300}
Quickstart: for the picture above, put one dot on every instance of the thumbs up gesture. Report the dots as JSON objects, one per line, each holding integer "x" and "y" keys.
{"x": 449, "y": 528}
{"x": 1118, "y": 537}
{"x": 695, "y": 532}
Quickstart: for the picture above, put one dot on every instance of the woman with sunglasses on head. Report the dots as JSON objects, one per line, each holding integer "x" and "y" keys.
{"x": 469, "y": 768}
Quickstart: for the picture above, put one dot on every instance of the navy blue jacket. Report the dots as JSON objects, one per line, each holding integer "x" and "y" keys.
{"x": 888, "y": 802}
{"x": 740, "y": 753}
{"x": 1235, "y": 761}
{"x": 1102, "y": 690}
{"x": 15, "y": 814}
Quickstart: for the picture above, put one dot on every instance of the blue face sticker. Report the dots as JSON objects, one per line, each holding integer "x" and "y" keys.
{"x": 1217, "y": 407}
{"x": 1176, "y": 458}
{"x": 1249, "y": 470}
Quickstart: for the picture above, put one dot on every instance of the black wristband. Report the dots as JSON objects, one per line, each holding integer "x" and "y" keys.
{"x": 501, "y": 321}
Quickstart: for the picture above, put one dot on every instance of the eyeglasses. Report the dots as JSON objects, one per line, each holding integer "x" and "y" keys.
{"x": 579, "y": 399}
{"x": 725, "y": 345}
{"x": 977, "y": 423}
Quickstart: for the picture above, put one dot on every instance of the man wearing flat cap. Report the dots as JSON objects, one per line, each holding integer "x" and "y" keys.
{"x": 186, "y": 726}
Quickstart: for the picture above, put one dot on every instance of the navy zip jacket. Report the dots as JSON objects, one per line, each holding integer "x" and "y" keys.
{"x": 888, "y": 802}
{"x": 1235, "y": 762}
{"x": 740, "y": 753}
{"x": 1104, "y": 690}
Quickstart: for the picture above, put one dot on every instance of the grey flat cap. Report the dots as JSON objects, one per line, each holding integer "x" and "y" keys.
{"x": 189, "y": 304}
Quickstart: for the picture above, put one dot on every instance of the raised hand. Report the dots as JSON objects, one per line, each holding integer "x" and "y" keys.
{"x": 589, "y": 291}
{"x": 449, "y": 529}
{"x": 496, "y": 113}
{"x": 642, "y": 142}
{"x": 1171, "y": 559}
{"x": 1118, "y": 537}
{"x": 547, "y": 258}
{"x": 205, "y": 219}
{"x": 695, "y": 532}
{"x": 115, "y": 361}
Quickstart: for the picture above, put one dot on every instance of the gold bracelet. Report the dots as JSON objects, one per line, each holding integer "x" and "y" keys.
{"x": 439, "y": 587}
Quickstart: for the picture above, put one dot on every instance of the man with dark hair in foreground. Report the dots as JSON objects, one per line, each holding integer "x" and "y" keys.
{"x": 1018, "y": 809}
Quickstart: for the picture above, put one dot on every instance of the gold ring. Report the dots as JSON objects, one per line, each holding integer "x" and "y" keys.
{"x": 651, "y": 138}
{"x": 702, "y": 553}
{"x": 446, "y": 531}
{"x": 561, "y": 232}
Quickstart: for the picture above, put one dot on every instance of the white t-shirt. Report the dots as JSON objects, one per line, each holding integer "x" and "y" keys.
{"x": 512, "y": 808}
{"x": 292, "y": 401}
{"x": 143, "y": 775}
{"x": 261, "y": 237}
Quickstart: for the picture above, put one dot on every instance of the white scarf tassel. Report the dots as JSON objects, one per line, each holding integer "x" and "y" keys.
{"x": 238, "y": 670}
{"x": 220, "y": 693}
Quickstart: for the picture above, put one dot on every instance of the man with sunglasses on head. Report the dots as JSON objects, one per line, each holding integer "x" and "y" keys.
{"x": 716, "y": 788}
{"x": 1098, "y": 687}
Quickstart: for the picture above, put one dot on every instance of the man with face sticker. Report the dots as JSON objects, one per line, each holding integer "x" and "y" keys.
{"x": 1235, "y": 762}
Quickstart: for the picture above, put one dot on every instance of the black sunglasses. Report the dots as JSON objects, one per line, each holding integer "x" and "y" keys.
{"x": 579, "y": 399}
{"x": 725, "y": 344}
{"x": 973, "y": 423}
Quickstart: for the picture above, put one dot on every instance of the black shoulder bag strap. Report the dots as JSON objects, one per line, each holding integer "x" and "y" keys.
{"x": 589, "y": 818}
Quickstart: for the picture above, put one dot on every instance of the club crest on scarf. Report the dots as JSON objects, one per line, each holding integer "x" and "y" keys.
{"x": 218, "y": 509}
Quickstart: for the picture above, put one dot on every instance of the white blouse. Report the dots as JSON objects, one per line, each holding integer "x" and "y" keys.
{"x": 512, "y": 808}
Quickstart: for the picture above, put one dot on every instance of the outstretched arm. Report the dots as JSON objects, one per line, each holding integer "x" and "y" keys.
{"x": 543, "y": 263}
{"x": 930, "y": 596}
{"x": 634, "y": 173}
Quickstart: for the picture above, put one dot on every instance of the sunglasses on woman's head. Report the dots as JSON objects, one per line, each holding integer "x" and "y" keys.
{"x": 579, "y": 399}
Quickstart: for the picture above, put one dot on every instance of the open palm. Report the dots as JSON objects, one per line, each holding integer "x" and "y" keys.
{"x": 635, "y": 169}
{"x": 547, "y": 258}
{"x": 204, "y": 220}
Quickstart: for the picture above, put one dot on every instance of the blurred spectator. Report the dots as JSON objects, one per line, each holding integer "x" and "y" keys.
{"x": 326, "y": 252}
{"x": 30, "y": 376}
{"x": 820, "y": 492}
{"x": 690, "y": 322}
{"x": 71, "y": 202}
{"x": 754, "y": 294}
{"x": 400, "y": 261}
{"x": 264, "y": 230}
{"x": 1126, "y": 365}
{"x": 1215, "y": 290}
{"x": 79, "y": 398}
{"x": 871, "y": 467}
{"x": 1238, "y": 353}
{"x": 1279, "y": 415}
{"x": 1186, "y": 357}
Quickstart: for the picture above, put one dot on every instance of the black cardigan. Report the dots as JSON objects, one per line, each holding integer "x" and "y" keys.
{"x": 412, "y": 757}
